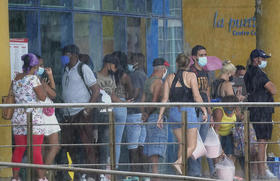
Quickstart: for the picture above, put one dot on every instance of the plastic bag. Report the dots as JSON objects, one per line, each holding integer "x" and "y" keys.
{"x": 200, "y": 149}
{"x": 212, "y": 144}
{"x": 225, "y": 169}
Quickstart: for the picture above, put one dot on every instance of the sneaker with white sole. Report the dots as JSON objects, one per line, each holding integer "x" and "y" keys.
{"x": 269, "y": 174}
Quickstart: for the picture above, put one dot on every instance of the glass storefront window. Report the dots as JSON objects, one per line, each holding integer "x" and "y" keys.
{"x": 56, "y": 32}
{"x": 20, "y": 2}
{"x": 88, "y": 37}
{"x": 114, "y": 35}
{"x": 136, "y": 35}
{"x": 56, "y": 3}
{"x": 173, "y": 8}
{"x": 87, "y": 4}
{"x": 136, "y": 6}
{"x": 113, "y": 5}
{"x": 155, "y": 7}
{"x": 23, "y": 24}
{"x": 174, "y": 42}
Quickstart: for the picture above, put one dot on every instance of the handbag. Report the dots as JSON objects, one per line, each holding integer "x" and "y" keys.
{"x": 7, "y": 113}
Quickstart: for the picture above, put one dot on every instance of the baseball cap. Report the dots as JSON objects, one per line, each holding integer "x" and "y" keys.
{"x": 73, "y": 49}
{"x": 258, "y": 53}
{"x": 160, "y": 61}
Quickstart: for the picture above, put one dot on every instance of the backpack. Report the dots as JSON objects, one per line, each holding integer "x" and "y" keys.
{"x": 80, "y": 72}
{"x": 216, "y": 90}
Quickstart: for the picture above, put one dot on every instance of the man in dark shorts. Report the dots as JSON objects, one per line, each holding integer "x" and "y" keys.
{"x": 260, "y": 89}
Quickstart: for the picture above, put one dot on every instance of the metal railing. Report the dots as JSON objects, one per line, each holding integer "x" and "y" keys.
{"x": 112, "y": 143}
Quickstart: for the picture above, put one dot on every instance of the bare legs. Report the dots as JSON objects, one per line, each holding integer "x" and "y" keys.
{"x": 261, "y": 157}
{"x": 53, "y": 150}
{"x": 191, "y": 144}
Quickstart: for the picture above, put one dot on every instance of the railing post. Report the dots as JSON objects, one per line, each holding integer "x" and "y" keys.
{"x": 29, "y": 144}
{"x": 112, "y": 144}
{"x": 247, "y": 145}
{"x": 185, "y": 144}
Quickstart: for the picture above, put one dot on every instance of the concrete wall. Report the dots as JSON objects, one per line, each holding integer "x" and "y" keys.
{"x": 215, "y": 23}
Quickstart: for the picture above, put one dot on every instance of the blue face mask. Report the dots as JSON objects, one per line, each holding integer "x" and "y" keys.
{"x": 65, "y": 60}
{"x": 227, "y": 111}
{"x": 40, "y": 71}
{"x": 130, "y": 68}
{"x": 263, "y": 64}
{"x": 202, "y": 61}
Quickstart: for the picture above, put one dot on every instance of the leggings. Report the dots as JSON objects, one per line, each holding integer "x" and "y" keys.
{"x": 19, "y": 151}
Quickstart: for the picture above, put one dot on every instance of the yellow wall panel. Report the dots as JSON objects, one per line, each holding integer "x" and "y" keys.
{"x": 5, "y": 139}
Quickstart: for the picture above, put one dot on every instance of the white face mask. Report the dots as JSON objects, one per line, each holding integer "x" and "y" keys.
{"x": 130, "y": 67}
{"x": 164, "y": 75}
{"x": 202, "y": 61}
{"x": 263, "y": 64}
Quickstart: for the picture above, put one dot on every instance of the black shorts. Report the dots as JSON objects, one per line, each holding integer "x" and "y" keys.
{"x": 227, "y": 144}
{"x": 263, "y": 131}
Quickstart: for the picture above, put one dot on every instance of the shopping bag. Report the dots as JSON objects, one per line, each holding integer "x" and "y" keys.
{"x": 212, "y": 144}
{"x": 7, "y": 113}
{"x": 200, "y": 149}
{"x": 225, "y": 169}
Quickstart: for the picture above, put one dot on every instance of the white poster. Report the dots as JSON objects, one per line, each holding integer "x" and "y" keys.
{"x": 18, "y": 47}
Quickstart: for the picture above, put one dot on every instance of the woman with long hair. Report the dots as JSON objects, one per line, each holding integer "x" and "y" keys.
{"x": 182, "y": 87}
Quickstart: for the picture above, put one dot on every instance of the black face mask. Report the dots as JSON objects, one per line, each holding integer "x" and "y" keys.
{"x": 111, "y": 72}
{"x": 230, "y": 78}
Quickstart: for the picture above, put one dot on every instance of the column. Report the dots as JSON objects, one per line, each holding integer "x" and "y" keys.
{"x": 5, "y": 139}
{"x": 268, "y": 39}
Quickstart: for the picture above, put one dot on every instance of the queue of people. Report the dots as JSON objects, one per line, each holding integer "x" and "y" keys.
{"x": 123, "y": 79}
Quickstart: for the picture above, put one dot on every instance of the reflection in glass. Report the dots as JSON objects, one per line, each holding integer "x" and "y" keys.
{"x": 114, "y": 36}
{"x": 135, "y": 6}
{"x": 87, "y": 4}
{"x": 155, "y": 7}
{"x": 20, "y": 1}
{"x": 174, "y": 42}
{"x": 56, "y": 32}
{"x": 136, "y": 35}
{"x": 87, "y": 35}
{"x": 173, "y": 8}
{"x": 63, "y": 3}
{"x": 23, "y": 24}
{"x": 113, "y": 5}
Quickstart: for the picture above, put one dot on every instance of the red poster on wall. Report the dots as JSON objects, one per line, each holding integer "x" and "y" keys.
{"x": 18, "y": 47}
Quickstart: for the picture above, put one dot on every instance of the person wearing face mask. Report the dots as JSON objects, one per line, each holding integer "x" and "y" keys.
{"x": 28, "y": 89}
{"x": 223, "y": 115}
{"x": 153, "y": 93}
{"x": 199, "y": 55}
{"x": 78, "y": 89}
{"x": 123, "y": 91}
{"x": 107, "y": 82}
{"x": 182, "y": 87}
{"x": 260, "y": 89}
{"x": 222, "y": 86}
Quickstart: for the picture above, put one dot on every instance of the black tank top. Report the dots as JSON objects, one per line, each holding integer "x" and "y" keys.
{"x": 180, "y": 94}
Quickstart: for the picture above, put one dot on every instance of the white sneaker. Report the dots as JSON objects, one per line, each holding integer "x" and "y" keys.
{"x": 269, "y": 174}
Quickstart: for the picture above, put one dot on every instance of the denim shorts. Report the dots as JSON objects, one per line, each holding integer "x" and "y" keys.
{"x": 155, "y": 134}
{"x": 175, "y": 116}
{"x": 136, "y": 133}
{"x": 227, "y": 144}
